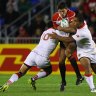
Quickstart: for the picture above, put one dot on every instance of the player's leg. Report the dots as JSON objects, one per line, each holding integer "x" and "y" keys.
{"x": 93, "y": 66}
{"x": 44, "y": 72}
{"x": 24, "y": 68}
{"x": 29, "y": 61}
{"x": 74, "y": 64}
{"x": 70, "y": 54}
{"x": 88, "y": 74}
{"x": 62, "y": 66}
{"x": 44, "y": 64}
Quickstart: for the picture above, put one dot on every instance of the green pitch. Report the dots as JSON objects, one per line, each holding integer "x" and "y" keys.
{"x": 48, "y": 86}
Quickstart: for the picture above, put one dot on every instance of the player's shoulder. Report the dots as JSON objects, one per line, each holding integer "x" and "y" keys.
{"x": 49, "y": 30}
{"x": 70, "y": 14}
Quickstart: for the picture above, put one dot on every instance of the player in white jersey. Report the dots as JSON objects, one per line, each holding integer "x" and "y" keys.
{"x": 47, "y": 45}
{"x": 86, "y": 50}
{"x": 85, "y": 44}
{"x": 39, "y": 57}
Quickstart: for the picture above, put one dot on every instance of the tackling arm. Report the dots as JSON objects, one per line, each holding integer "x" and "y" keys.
{"x": 67, "y": 29}
{"x": 64, "y": 39}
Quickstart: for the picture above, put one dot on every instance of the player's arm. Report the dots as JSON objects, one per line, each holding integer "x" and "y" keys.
{"x": 67, "y": 29}
{"x": 64, "y": 39}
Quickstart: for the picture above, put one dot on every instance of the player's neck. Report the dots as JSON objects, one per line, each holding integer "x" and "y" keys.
{"x": 81, "y": 25}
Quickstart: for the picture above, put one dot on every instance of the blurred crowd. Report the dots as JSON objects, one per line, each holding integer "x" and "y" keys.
{"x": 88, "y": 10}
{"x": 10, "y": 10}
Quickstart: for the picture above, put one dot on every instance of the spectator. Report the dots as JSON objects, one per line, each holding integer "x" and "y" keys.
{"x": 93, "y": 21}
{"x": 11, "y": 15}
{"x": 88, "y": 7}
{"x": 22, "y": 34}
{"x": 37, "y": 32}
{"x": 13, "y": 3}
{"x": 37, "y": 26}
{"x": 24, "y": 6}
{"x": 93, "y": 32}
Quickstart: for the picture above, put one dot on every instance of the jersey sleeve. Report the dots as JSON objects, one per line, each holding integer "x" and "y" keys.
{"x": 78, "y": 37}
{"x": 70, "y": 15}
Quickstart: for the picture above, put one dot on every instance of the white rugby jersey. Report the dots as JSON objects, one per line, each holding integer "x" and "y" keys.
{"x": 84, "y": 40}
{"x": 46, "y": 45}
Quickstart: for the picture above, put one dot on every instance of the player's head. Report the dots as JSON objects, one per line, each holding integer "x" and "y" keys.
{"x": 62, "y": 9}
{"x": 79, "y": 17}
{"x": 56, "y": 19}
{"x": 77, "y": 21}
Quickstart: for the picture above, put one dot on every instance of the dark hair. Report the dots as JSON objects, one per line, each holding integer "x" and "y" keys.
{"x": 62, "y": 5}
{"x": 79, "y": 16}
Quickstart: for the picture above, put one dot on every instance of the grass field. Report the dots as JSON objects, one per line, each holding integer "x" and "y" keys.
{"x": 46, "y": 87}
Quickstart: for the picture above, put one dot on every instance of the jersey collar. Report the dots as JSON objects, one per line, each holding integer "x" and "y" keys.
{"x": 82, "y": 26}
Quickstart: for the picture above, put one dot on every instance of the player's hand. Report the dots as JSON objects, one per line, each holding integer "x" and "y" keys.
{"x": 53, "y": 35}
{"x": 59, "y": 28}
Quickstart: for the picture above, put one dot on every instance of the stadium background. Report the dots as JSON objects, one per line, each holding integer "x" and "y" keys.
{"x": 13, "y": 55}
{"x": 22, "y": 23}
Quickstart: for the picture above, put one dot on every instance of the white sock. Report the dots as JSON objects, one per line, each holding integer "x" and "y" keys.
{"x": 89, "y": 80}
{"x": 40, "y": 74}
{"x": 13, "y": 78}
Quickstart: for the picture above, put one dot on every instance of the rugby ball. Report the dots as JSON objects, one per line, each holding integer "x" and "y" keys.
{"x": 64, "y": 23}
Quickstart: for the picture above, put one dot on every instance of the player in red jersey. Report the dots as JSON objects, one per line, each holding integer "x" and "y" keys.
{"x": 86, "y": 48}
{"x": 64, "y": 12}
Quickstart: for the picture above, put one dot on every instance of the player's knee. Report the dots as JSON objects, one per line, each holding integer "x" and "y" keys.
{"x": 62, "y": 60}
{"x": 24, "y": 68}
{"x": 48, "y": 70}
{"x": 20, "y": 74}
{"x": 68, "y": 52}
{"x": 72, "y": 46}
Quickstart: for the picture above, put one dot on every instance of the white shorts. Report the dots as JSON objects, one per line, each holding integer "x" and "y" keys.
{"x": 34, "y": 59}
{"x": 89, "y": 55}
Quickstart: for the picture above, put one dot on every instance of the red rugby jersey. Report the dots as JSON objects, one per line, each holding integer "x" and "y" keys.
{"x": 57, "y": 17}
